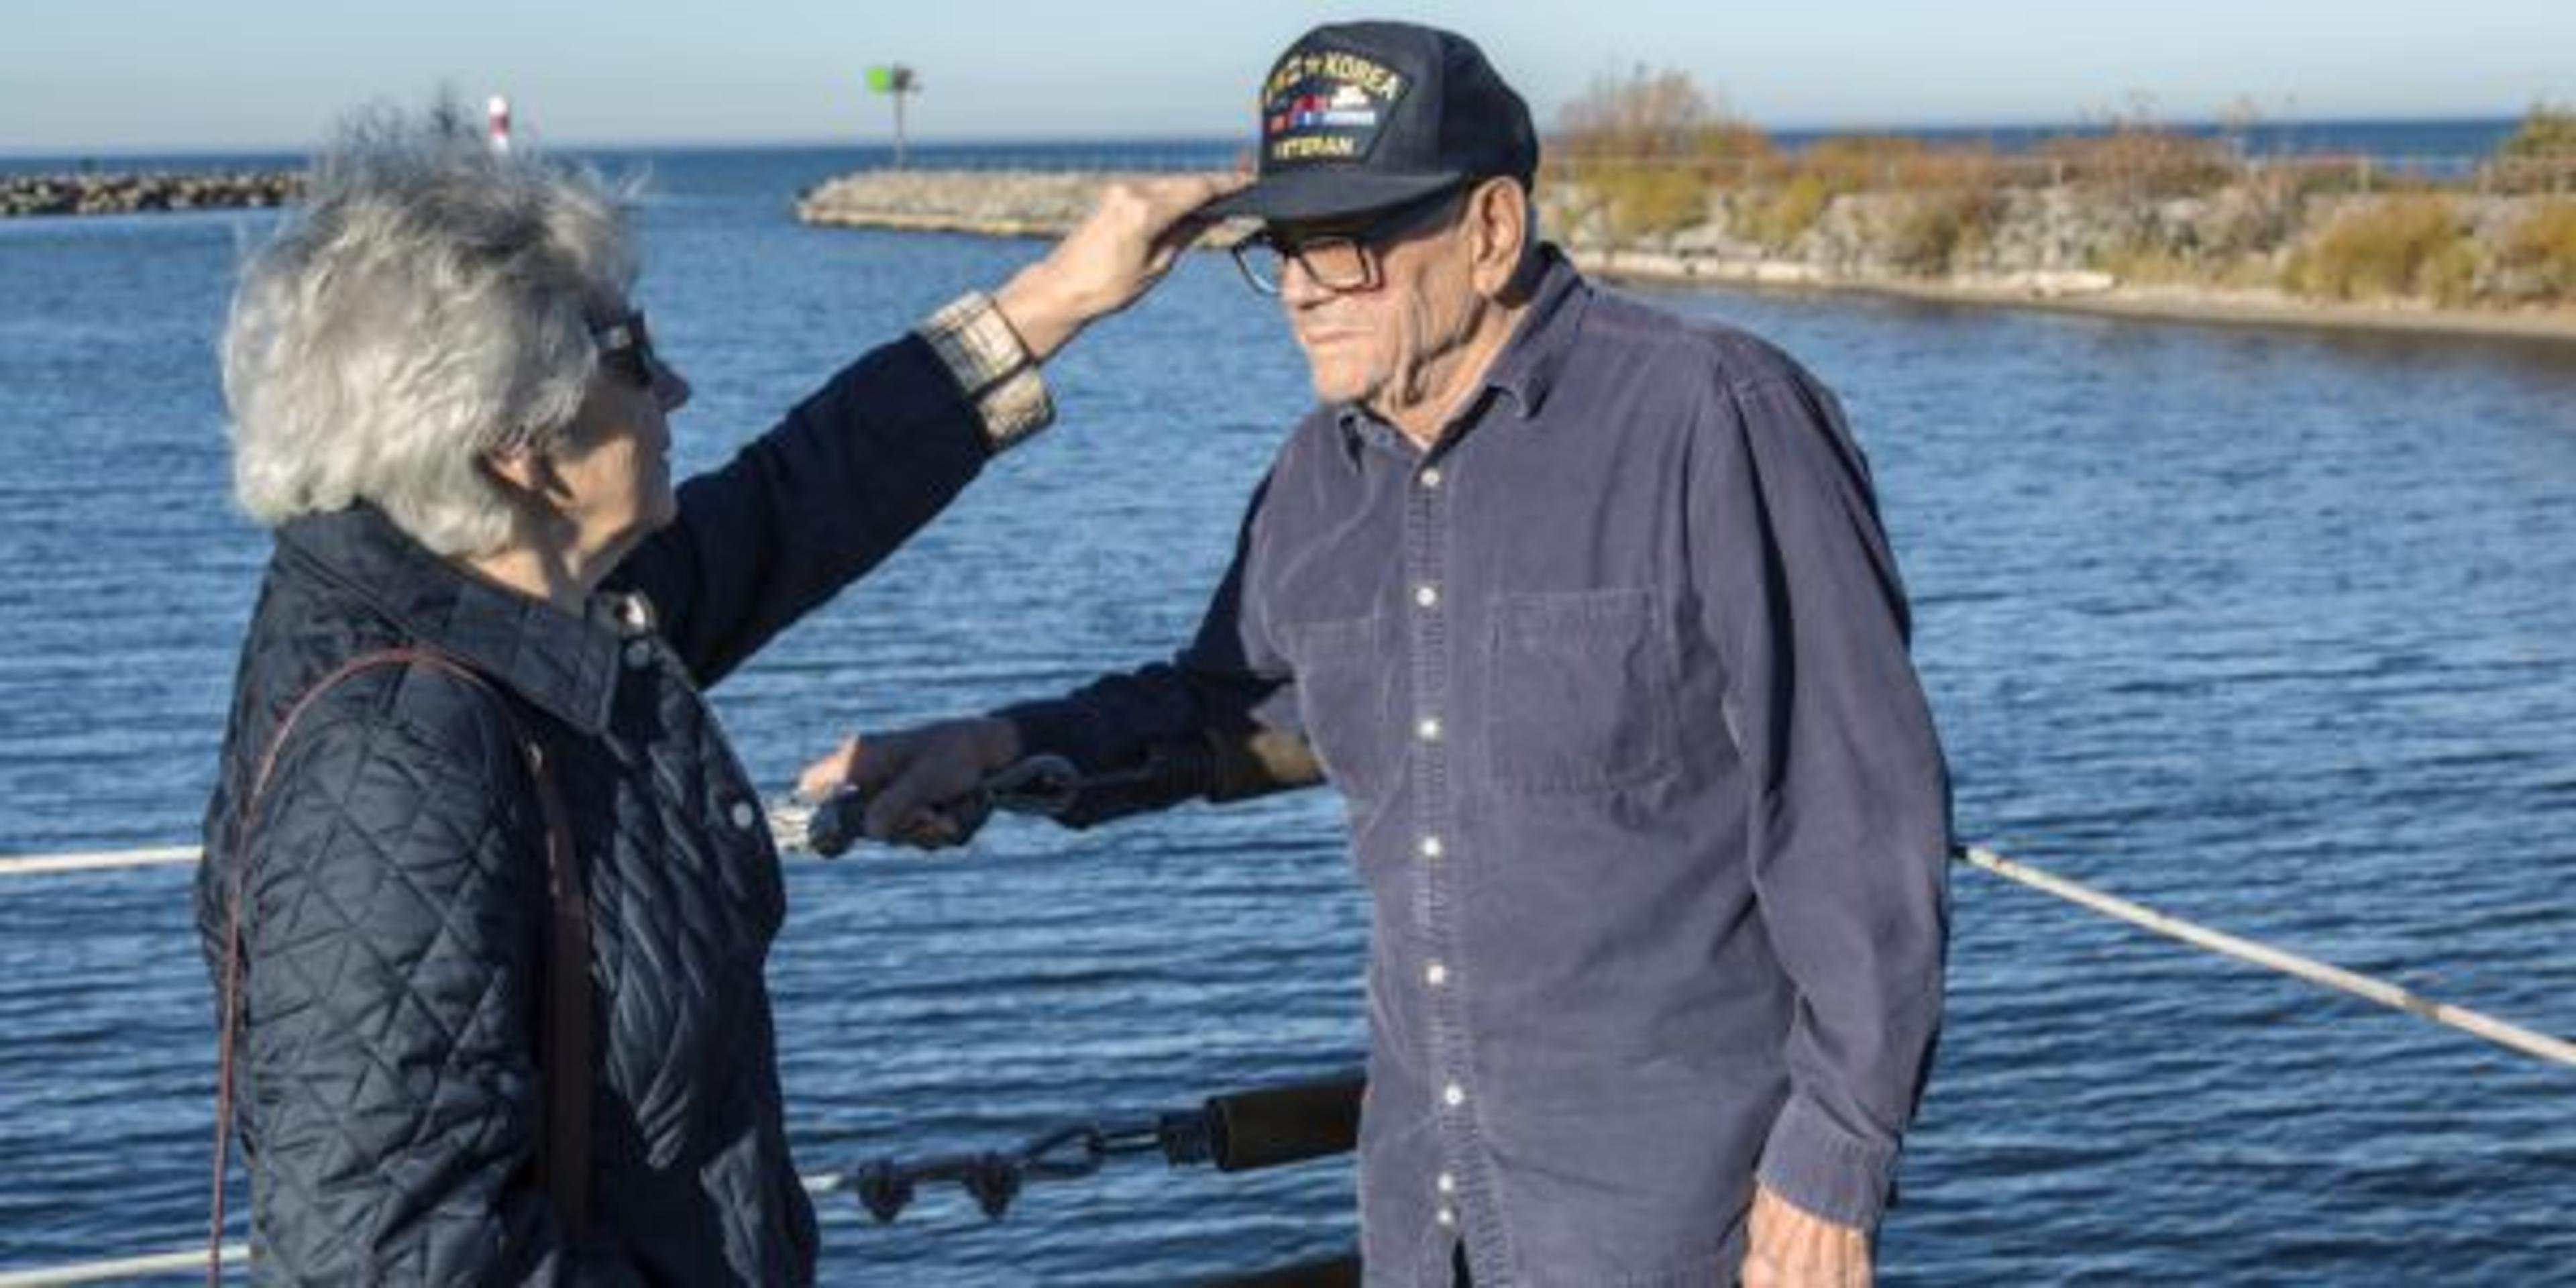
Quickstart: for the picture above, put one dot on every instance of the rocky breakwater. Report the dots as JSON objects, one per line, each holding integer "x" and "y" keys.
{"x": 25, "y": 195}
{"x": 996, "y": 203}
{"x": 1002, "y": 203}
{"x": 2261, "y": 253}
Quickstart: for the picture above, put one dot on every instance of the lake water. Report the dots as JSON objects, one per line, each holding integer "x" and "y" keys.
{"x": 2272, "y": 629}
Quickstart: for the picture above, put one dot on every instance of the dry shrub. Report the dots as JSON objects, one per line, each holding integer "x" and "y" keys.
{"x": 2540, "y": 249}
{"x": 1860, "y": 162}
{"x": 2402, "y": 246}
{"x": 1648, "y": 147}
{"x": 1791, "y": 210}
{"x": 1646, "y": 198}
{"x": 1960, "y": 185}
{"x": 2546, "y": 131}
{"x": 1940, "y": 228}
{"x": 2136, "y": 158}
{"x": 1652, "y": 115}
{"x": 2540, "y": 156}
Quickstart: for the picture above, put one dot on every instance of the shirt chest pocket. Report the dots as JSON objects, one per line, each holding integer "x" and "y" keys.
{"x": 1345, "y": 671}
{"x": 1582, "y": 693}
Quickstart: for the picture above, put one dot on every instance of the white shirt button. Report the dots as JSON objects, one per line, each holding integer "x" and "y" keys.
{"x": 1431, "y": 477}
{"x": 1453, "y": 1095}
{"x": 743, "y": 815}
{"x": 1448, "y": 1184}
{"x": 1429, "y": 730}
{"x": 1448, "y": 1217}
{"x": 1431, "y": 847}
{"x": 639, "y": 654}
{"x": 1427, "y": 595}
{"x": 635, "y": 611}
{"x": 1435, "y": 974}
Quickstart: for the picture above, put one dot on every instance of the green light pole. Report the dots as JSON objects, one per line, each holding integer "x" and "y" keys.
{"x": 897, "y": 81}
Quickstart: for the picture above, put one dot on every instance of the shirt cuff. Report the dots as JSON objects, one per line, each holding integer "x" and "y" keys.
{"x": 1826, "y": 1171}
{"x": 976, "y": 342}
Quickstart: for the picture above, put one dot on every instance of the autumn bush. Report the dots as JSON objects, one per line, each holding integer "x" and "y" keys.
{"x": 2396, "y": 247}
{"x": 1646, "y": 149}
{"x": 2538, "y": 254}
{"x": 2136, "y": 159}
{"x": 1941, "y": 228}
{"x": 2540, "y": 155}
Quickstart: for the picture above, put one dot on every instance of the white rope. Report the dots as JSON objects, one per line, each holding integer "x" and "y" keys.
{"x": 787, "y": 823}
{"x": 91, "y": 1272}
{"x": 33, "y": 865}
{"x": 2483, "y": 1025}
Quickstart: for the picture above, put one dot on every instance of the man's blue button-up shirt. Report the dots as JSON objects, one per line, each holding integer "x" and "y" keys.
{"x": 1614, "y": 681}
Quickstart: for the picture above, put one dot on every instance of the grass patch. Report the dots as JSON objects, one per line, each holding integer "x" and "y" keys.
{"x": 2409, "y": 246}
{"x": 1940, "y": 229}
{"x": 2539, "y": 253}
{"x": 1790, "y": 210}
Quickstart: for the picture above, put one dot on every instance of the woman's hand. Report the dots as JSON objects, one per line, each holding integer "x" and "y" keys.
{"x": 1131, "y": 238}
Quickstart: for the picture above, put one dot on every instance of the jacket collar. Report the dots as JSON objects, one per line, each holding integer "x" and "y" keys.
{"x": 563, "y": 664}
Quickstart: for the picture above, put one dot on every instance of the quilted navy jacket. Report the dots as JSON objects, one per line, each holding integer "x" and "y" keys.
{"x": 395, "y": 911}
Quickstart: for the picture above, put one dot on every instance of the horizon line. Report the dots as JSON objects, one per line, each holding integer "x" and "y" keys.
{"x": 10, "y": 151}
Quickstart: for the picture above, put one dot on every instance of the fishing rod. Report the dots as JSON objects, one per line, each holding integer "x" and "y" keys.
{"x": 1216, "y": 767}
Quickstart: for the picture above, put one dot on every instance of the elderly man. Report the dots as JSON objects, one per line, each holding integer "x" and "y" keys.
{"x": 1587, "y": 612}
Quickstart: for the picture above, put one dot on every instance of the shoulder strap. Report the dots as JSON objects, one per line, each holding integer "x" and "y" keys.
{"x": 563, "y": 1158}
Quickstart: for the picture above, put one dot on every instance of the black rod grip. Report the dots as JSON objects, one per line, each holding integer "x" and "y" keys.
{"x": 1279, "y": 1125}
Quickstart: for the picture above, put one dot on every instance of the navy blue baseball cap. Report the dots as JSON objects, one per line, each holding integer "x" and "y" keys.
{"x": 1357, "y": 117}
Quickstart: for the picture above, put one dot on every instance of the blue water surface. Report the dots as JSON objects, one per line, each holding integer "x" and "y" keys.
{"x": 2269, "y": 628}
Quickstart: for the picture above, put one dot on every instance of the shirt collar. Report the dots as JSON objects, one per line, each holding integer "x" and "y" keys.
{"x": 1527, "y": 367}
{"x": 1526, "y": 370}
{"x": 563, "y": 664}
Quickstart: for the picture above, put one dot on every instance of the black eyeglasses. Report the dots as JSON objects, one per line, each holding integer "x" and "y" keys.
{"x": 1336, "y": 259}
{"x": 627, "y": 347}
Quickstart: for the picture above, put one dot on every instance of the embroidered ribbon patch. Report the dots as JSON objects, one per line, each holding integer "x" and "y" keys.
{"x": 1322, "y": 106}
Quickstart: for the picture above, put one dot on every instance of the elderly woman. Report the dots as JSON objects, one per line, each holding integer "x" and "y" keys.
{"x": 483, "y": 635}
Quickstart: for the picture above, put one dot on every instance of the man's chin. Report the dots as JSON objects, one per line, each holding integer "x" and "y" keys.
{"x": 1340, "y": 387}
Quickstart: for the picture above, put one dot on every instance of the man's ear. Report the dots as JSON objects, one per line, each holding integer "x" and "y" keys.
{"x": 1498, "y": 224}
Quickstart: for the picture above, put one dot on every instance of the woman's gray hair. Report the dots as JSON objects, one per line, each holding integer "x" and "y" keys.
{"x": 431, "y": 302}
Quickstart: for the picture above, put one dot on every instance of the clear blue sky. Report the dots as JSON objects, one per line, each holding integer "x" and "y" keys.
{"x": 109, "y": 75}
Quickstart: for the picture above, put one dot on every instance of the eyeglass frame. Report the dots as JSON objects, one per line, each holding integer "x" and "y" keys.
{"x": 1366, "y": 241}
{"x": 627, "y": 345}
